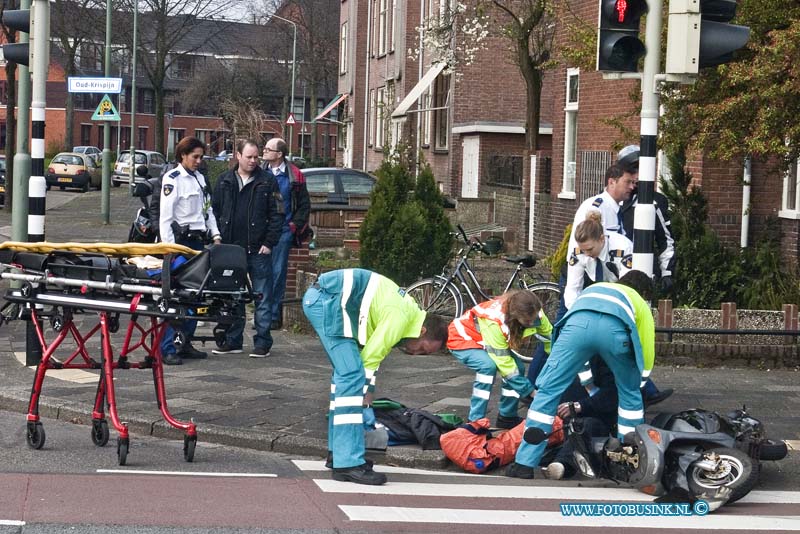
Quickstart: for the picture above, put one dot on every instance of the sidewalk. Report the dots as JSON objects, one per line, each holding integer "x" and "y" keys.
{"x": 280, "y": 403}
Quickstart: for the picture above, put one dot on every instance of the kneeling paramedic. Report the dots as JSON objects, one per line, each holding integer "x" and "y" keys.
{"x": 614, "y": 322}
{"x": 352, "y": 308}
{"x": 483, "y": 339}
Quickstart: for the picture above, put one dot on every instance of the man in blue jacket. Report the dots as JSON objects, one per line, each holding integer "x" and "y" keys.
{"x": 359, "y": 316}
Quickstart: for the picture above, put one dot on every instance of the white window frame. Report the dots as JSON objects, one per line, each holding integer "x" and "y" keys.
{"x": 383, "y": 15}
{"x": 393, "y": 24}
{"x": 790, "y": 207}
{"x": 373, "y": 110}
{"x": 570, "y": 136}
{"x": 343, "y": 49}
{"x": 380, "y": 127}
{"x": 425, "y": 117}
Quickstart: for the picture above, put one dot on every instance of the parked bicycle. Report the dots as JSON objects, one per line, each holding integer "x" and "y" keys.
{"x": 444, "y": 294}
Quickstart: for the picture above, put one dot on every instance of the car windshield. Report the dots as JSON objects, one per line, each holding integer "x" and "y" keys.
{"x": 79, "y": 149}
{"x": 125, "y": 157}
{"x": 68, "y": 160}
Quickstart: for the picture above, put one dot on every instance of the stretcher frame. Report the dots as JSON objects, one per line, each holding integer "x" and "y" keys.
{"x": 152, "y": 306}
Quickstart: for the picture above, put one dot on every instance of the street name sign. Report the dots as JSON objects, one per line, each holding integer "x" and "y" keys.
{"x": 79, "y": 84}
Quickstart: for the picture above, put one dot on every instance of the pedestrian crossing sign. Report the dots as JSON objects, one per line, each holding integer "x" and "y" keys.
{"x": 106, "y": 111}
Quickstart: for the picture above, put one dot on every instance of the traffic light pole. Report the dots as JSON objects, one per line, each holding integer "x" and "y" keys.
{"x": 644, "y": 218}
{"x": 22, "y": 157}
{"x": 105, "y": 199}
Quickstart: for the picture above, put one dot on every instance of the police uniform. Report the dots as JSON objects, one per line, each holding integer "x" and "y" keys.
{"x": 349, "y": 308}
{"x": 479, "y": 339}
{"x": 614, "y": 261}
{"x": 665, "y": 242}
{"x": 616, "y": 323}
{"x": 610, "y": 216}
{"x": 185, "y": 200}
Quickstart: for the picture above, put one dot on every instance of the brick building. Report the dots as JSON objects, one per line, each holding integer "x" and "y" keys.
{"x": 470, "y": 128}
{"x": 210, "y": 44}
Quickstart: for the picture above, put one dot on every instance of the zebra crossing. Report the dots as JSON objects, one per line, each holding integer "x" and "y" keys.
{"x": 417, "y": 497}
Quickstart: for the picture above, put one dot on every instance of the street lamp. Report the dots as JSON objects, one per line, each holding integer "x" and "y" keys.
{"x": 294, "y": 63}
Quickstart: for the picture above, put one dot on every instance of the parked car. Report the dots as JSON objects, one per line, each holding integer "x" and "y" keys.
{"x": 156, "y": 166}
{"x": 338, "y": 184}
{"x": 3, "y": 180}
{"x": 93, "y": 151}
{"x": 225, "y": 155}
{"x": 70, "y": 169}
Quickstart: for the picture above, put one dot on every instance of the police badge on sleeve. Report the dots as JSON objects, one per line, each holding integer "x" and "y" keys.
{"x": 168, "y": 189}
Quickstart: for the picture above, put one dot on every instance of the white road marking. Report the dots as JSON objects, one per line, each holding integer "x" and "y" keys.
{"x": 396, "y": 514}
{"x": 77, "y": 376}
{"x": 561, "y": 493}
{"x": 186, "y": 473}
{"x": 11, "y": 523}
{"x": 319, "y": 465}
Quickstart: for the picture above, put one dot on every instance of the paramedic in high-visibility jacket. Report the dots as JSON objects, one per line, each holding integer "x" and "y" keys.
{"x": 484, "y": 339}
{"x": 360, "y": 316}
{"x": 613, "y": 321}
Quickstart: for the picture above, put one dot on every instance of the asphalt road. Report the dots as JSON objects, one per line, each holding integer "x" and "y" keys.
{"x": 72, "y": 486}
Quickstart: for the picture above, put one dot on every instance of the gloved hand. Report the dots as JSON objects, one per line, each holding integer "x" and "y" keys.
{"x": 666, "y": 284}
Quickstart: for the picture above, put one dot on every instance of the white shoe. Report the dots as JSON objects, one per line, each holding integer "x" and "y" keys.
{"x": 259, "y": 353}
{"x": 554, "y": 471}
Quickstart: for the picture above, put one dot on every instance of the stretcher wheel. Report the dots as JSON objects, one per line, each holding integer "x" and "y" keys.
{"x": 100, "y": 432}
{"x": 219, "y": 335}
{"x": 189, "y": 443}
{"x": 122, "y": 450}
{"x": 35, "y": 435}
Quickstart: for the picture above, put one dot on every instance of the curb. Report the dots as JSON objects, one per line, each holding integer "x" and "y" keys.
{"x": 267, "y": 441}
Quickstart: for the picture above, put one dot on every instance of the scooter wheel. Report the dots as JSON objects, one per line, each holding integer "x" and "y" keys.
{"x": 772, "y": 450}
{"x": 736, "y": 472}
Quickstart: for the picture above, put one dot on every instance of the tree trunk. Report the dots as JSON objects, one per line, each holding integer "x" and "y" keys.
{"x": 11, "y": 131}
{"x": 69, "y": 130}
{"x": 313, "y": 106}
{"x": 159, "y": 103}
{"x": 533, "y": 83}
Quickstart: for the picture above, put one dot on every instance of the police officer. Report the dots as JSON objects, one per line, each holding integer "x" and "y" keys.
{"x": 185, "y": 218}
{"x": 628, "y": 159}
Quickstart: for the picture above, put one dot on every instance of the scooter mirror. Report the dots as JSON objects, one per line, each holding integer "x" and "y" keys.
{"x": 534, "y": 436}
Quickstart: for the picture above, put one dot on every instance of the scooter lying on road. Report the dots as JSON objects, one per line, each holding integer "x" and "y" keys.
{"x": 142, "y": 229}
{"x": 683, "y": 457}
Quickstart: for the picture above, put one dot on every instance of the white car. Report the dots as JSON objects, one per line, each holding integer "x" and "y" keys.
{"x": 92, "y": 151}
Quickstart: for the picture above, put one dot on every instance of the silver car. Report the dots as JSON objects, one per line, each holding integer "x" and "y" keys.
{"x": 156, "y": 166}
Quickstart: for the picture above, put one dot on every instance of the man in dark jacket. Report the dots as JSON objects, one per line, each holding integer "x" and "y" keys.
{"x": 297, "y": 205}
{"x": 249, "y": 214}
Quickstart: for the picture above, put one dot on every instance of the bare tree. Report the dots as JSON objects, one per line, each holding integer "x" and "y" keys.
{"x": 168, "y": 31}
{"x": 73, "y": 24}
{"x": 529, "y": 25}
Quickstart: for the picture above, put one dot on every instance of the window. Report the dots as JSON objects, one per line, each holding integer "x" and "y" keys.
{"x": 299, "y": 109}
{"x": 570, "y": 135}
{"x": 202, "y": 135}
{"x": 382, "y": 16}
{"x": 147, "y": 101}
{"x": 180, "y": 68}
{"x": 86, "y": 134}
{"x": 374, "y": 27}
{"x": 356, "y": 184}
{"x": 440, "y": 114}
{"x": 125, "y": 136}
{"x": 142, "y": 142}
{"x": 305, "y": 142}
{"x": 373, "y": 113}
{"x": 3, "y": 92}
{"x": 343, "y": 49}
{"x": 790, "y": 202}
{"x": 392, "y": 24}
{"x": 425, "y": 117}
{"x": 321, "y": 183}
{"x": 380, "y": 129}
{"x": 503, "y": 170}
{"x": 90, "y": 57}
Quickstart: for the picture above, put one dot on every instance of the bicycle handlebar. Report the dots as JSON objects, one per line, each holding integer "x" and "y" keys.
{"x": 475, "y": 243}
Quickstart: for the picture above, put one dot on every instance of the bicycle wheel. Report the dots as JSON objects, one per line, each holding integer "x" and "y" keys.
{"x": 549, "y": 296}
{"x": 434, "y": 296}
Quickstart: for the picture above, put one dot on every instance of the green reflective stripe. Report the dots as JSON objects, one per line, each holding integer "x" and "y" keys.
{"x": 498, "y": 353}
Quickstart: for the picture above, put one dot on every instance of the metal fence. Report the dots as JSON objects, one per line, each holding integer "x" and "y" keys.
{"x": 593, "y": 168}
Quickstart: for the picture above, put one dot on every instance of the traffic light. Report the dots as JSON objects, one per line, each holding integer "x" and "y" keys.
{"x": 700, "y": 35}
{"x": 618, "y": 44}
{"x": 20, "y": 20}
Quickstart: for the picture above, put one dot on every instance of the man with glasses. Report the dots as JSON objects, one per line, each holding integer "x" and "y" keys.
{"x": 296, "y": 207}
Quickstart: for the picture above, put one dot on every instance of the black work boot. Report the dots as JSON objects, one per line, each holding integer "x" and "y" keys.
{"x": 507, "y": 422}
{"x": 190, "y": 353}
{"x": 516, "y": 470}
{"x": 329, "y": 461}
{"x": 360, "y": 474}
